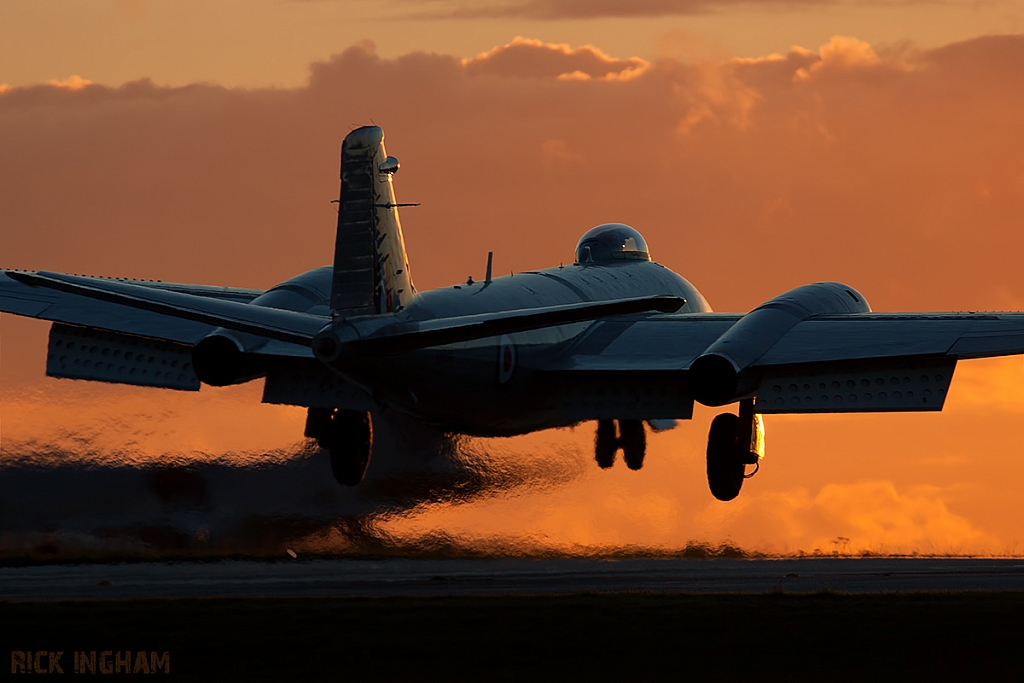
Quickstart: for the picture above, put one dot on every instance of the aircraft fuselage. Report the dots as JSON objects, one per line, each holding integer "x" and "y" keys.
{"x": 496, "y": 386}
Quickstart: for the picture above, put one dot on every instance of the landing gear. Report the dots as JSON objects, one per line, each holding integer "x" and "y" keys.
{"x": 631, "y": 438}
{"x": 725, "y": 465}
{"x": 348, "y": 436}
{"x": 634, "y": 443}
{"x": 733, "y": 443}
{"x": 605, "y": 444}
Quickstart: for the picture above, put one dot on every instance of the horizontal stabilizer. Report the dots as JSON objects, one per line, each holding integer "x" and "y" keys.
{"x": 443, "y": 331}
{"x": 273, "y": 323}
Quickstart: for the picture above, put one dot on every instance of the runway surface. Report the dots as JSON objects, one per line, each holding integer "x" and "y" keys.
{"x": 478, "y": 577}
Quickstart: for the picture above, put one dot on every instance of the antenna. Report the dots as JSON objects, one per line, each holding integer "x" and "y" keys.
{"x": 490, "y": 258}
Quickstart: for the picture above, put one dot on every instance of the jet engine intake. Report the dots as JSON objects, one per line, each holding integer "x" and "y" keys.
{"x": 220, "y": 360}
{"x": 224, "y": 357}
{"x": 722, "y": 373}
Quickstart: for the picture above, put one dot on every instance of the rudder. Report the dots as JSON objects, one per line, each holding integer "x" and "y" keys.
{"x": 371, "y": 270}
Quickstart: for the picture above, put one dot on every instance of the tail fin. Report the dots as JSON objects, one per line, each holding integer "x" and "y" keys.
{"x": 371, "y": 270}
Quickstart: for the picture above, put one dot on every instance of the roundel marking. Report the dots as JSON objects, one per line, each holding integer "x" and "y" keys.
{"x": 506, "y": 359}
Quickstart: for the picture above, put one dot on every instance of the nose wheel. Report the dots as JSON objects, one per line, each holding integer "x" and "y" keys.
{"x": 630, "y": 436}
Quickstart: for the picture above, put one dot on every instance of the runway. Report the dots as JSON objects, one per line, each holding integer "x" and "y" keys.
{"x": 504, "y": 577}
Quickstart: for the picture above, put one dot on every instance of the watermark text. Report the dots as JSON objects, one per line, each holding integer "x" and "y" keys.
{"x": 90, "y": 662}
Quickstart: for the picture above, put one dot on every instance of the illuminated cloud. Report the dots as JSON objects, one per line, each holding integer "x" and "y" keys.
{"x": 524, "y": 57}
{"x": 73, "y": 82}
{"x": 841, "y": 54}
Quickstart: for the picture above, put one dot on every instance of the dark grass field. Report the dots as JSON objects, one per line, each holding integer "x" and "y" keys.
{"x": 588, "y": 637}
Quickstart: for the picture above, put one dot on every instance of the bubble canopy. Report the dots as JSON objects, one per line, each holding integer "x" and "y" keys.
{"x": 611, "y": 242}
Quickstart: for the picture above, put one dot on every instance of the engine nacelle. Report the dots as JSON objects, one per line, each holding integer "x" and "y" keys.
{"x": 225, "y": 357}
{"x": 220, "y": 359}
{"x": 721, "y": 374}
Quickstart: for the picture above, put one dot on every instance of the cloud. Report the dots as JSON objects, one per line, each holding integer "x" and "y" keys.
{"x": 73, "y": 82}
{"x": 872, "y": 179}
{"x": 841, "y": 53}
{"x": 528, "y": 58}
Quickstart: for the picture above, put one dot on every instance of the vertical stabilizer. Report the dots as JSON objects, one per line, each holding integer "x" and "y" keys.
{"x": 371, "y": 270}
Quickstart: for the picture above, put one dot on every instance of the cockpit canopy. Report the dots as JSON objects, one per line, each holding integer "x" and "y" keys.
{"x": 611, "y": 242}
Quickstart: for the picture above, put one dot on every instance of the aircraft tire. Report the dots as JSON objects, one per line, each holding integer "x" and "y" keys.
{"x": 350, "y": 443}
{"x": 724, "y": 464}
{"x": 634, "y": 442}
{"x": 605, "y": 444}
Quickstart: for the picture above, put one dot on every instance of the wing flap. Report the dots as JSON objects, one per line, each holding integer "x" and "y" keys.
{"x": 988, "y": 345}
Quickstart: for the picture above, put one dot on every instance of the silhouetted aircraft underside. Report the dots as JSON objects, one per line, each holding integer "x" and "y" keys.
{"x": 614, "y": 337}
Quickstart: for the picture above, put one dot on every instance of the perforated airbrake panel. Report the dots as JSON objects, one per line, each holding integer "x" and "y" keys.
{"x": 911, "y": 385}
{"x": 302, "y": 382}
{"x": 102, "y": 356}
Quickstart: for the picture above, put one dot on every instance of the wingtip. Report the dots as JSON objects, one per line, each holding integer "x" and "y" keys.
{"x": 21, "y": 276}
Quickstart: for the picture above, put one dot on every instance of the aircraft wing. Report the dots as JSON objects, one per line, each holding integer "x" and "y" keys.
{"x": 142, "y": 332}
{"x": 878, "y": 362}
{"x": 863, "y": 362}
{"x": 860, "y": 336}
{"x": 59, "y": 306}
{"x": 174, "y": 314}
{"x": 662, "y": 343}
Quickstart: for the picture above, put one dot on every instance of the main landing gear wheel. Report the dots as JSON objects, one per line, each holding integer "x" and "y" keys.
{"x": 605, "y": 444}
{"x": 733, "y": 443}
{"x": 348, "y": 436}
{"x": 631, "y": 438}
{"x": 725, "y": 466}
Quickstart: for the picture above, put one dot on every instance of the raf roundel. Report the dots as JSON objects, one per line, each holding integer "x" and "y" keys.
{"x": 506, "y": 359}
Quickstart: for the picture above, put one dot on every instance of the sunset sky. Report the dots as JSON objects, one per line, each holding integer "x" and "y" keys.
{"x": 756, "y": 145}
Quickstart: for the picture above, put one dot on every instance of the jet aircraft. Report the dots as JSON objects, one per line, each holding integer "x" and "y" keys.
{"x": 614, "y": 338}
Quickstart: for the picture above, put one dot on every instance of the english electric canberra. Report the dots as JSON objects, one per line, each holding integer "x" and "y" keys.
{"x": 614, "y": 337}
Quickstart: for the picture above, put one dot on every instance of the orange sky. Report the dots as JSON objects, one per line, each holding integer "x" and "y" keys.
{"x": 272, "y": 42}
{"x": 894, "y": 163}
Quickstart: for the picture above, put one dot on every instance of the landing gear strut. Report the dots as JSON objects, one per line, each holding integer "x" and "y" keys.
{"x": 733, "y": 443}
{"x": 348, "y": 436}
{"x": 631, "y": 438}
